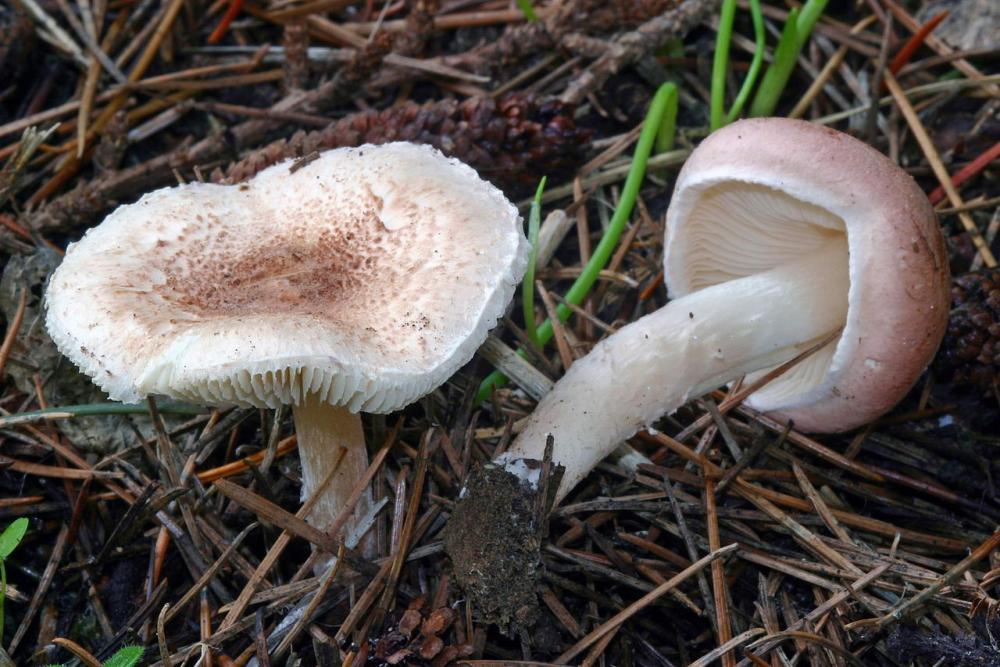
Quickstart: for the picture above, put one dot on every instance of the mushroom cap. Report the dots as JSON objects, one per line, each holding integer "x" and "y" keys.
{"x": 760, "y": 192}
{"x": 366, "y": 277}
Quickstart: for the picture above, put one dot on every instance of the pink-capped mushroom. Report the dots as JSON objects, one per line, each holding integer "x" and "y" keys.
{"x": 780, "y": 233}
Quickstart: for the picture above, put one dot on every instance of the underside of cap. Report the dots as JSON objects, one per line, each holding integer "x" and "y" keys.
{"x": 737, "y": 229}
{"x": 364, "y": 277}
{"x": 762, "y": 192}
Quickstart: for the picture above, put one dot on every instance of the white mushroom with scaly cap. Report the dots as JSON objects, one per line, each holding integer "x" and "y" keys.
{"x": 360, "y": 280}
{"x": 779, "y": 234}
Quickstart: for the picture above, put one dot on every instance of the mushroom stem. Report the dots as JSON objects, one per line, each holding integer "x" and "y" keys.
{"x": 682, "y": 351}
{"x": 323, "y": 432}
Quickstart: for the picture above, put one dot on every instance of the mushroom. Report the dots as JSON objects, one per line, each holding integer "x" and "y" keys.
{"x": 780, "y": 233}
{"x": 360, "y": 279}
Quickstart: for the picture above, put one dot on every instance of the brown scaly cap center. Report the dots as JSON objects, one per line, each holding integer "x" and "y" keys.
{"x": 287, "y": 273}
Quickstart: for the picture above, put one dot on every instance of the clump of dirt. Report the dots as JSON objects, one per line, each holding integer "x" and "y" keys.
{"x": 494, "y": 540}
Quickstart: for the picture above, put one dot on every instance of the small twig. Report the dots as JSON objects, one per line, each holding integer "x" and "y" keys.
{"x": 904, "y": 55}
{"x": 949, "y": 577}
{"x": 811, "y": 637}
{"x": 271, "y": 450}
{"x": 161, "y": 636}
{"x": 559, "y": 333}
{"x": 62, "y": 38}
{"x": 720, "y": 592}
{"x": 767, "y": 643}
{"x": 245, "y": 596}
{"x": 832, "y": 64}
{"x": 85, "y": 656}
{"x": 48, "y": 576}
{"x": 13, "y": 328}
{"x": 286, "y": 446}
{"x": 965, "y": 173}
{"x": 291, "y": 523}
{"x": 726, "y": 649}
{"x": 632, "y": 46}
{"x": 871, "y": 121}
{"x": 821, "y": 507}
{"x": 412, "y": 510}
{"x": 930, "y": 152}
{"x": 209, "y": 573}
{"x": 618, "y": 619}
{"x": 800, "y": 532}
{"x": 749, "y": 457}
{"x": 310, "y": 609}
{"x": 740, "y": 393}
{"x": 260, "y": 640}
{"x": 692, "y": 551}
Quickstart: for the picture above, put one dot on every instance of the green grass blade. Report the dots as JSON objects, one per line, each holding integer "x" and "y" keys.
{"x": 721, "y": 63}
{"x": 655, "y": 117}
{"x": 758, "y": 60}
{"x": 527, "y": 10}
{"x": 12, "y": 536}
{"x": 668, "y": 125}
{"x": 528, "y": 286}
{"x": 793, "y": 37}
{"x": 780, "y": 70}
{"x": 126, "y": 656}
{"x": 811, "y": 11}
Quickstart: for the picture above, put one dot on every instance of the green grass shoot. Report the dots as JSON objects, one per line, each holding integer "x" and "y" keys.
{"x": 797, "y": 29}
{"x": 720, "y": 64}
{"x": 661, "y": 117}
{"x": 528, "y": 286}
{"x": 757, "y": 15}
{"x": 666, "y": 134}
{"x": 126, "y": 656}
{"x": 528, "y": 10}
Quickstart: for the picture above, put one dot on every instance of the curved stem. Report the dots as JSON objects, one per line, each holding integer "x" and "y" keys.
{"x": 331, "y": 436}
{"x": 682, "y": 351}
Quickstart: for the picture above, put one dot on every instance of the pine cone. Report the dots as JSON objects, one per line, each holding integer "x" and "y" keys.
{"x": 970, "y": 353}
{"x": 513, "y": 140}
